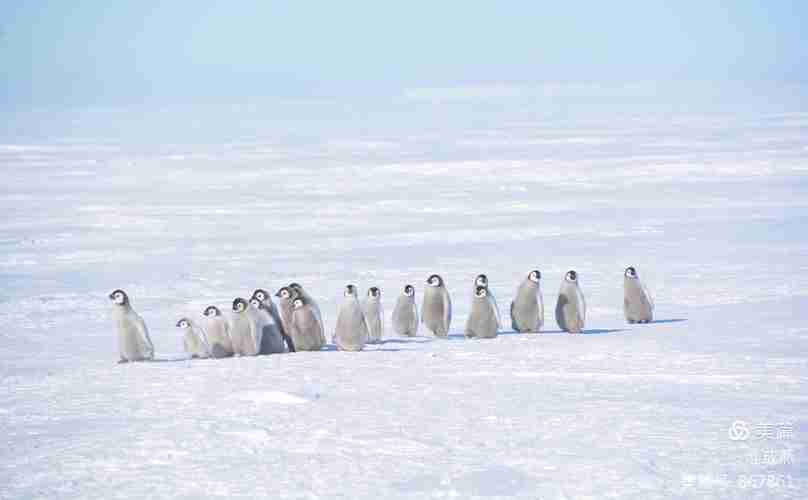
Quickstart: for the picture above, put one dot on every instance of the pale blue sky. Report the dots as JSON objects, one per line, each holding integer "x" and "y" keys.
{"x": 98, "y": 52}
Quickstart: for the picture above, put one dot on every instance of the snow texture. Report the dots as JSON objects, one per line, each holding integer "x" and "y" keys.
{"x": 186, "y": 207}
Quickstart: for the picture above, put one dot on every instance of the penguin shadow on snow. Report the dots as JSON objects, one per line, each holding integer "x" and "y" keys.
{"x": 164, "y": 359}
{"x": 367, "y": 348}
{"x": 672, "y": 320}
{"x": 601, "y": 331}
{"x": 408, "y": 340}
{"x": 591, "y": 331}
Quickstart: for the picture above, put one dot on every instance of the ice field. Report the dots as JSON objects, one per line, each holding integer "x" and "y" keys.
{"x": 185, "y": 206}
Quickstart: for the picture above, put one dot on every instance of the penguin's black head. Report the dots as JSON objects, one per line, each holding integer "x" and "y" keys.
{"x": 299, "y": 302}
{"x": 571, "y": 275}
{"x": 183, "y": 323}
{"x": 409, "y": 290}
{"x": 119, "y": 297}
{"x": 260, "y": 294}
{"x": 374, "y": 292}
{"x": 481, "y": 280}
{"x": 435, "y": 280}
{"x": 240, "y": 305}
{"x": 212, "y": 311}
{"x": 481, "y": 291}
{"x": 631, "y": 272}
{"x": 256, "y": 304}
{"x": 350, "y": 290}
{"x": 284, "y": 292}
{"x": 534, "y": 276}
{"x": 295, "y": 286}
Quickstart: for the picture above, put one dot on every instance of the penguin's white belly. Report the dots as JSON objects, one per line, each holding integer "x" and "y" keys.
{"x": 131, "y": 345}
{"x": 307, "y": 331}
{"x": 405, "y": 318}
{"x": 434, "y": 312}
{"x": 636, "y": 304}
{"x": 527, "y": 313}
{"x": 219, "y": 339}
{"x": 482, "y": 322}
{"x": 570, "y": 311}
{"x": 286, "y": 309}
{"x": 242, "y": 335}
{"x": 194, "y": 346}
{"x": 351, "y": 333}
{"x": 373, "y": 317}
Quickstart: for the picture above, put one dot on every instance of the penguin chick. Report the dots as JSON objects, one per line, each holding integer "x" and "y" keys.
{"x": 351, "y": 332}
{"x": 436, "y": 310}
{"x": 527, "y": 308}
{"x": 571, "y": 308}
{"x": 286, "y": 306}
{"x": 217, "y": 332}
{"x": 405, "y": 315}
{"x": 134, "y": 343}
{"x": 271, "y": 339}
{"x": 263, "y": 296}
{"x": 638, "y": 305}
{"x": 374, "y": 315}
{"x": 306, "y": 328}
{"x": 193, "y": 339}
{"x": 482, "y": 320}
{"x": 309, "y": 300}
{"x": 482, "y": 280}
{"x": 245, "y": 329}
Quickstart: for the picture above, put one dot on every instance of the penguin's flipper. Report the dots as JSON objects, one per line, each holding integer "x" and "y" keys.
{"x": 496, "y": 311}
{"x": 513, "y": 320}
{"x": 289, "y": 343}
{"x": 447, "y": 310}
{"x": 648, "y": 296}
{"x": 583, "y": 305}
{"x": 143, "y": 337}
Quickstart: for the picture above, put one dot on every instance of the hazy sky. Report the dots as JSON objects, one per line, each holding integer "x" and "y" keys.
{"x": 91, "y": 52}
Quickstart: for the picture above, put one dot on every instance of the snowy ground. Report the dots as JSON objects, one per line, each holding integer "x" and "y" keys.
{"x": 183, "y": 207}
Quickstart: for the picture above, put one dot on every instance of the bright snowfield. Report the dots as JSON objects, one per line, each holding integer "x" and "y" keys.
{"x": 188, "y": 206}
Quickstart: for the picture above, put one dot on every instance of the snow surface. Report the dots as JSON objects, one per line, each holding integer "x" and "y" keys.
{"x": 187, "y": 206}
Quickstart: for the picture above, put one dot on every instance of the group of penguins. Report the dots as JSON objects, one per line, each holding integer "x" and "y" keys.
{"x": 259, "y": 326}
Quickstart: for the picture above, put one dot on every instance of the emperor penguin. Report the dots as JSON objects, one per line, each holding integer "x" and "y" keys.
{"x": 134, "y": 343}
{"x": 482, "y": 321}
{"x": 527, "y": 307}
{"x": 217, "y": 332}
{"x": 309, "y": 300}
{"x": 193, "y": 339}
{"x": 571, "y": 308}
{"x": 405, "y": 315}
{"x": 286, "y": 297}
{"x": 482, "y": 280}
{"x": 374, "y": 315}
{"x": 351, "y": 332}
{"x": 436, "y": 311}
{"x": 245, "y": 329}
{"x": 638, "y": 305}
{"x": 272, "y": 341}
{"x": 263, "y": 296}
{"x": 306, "y": 327}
